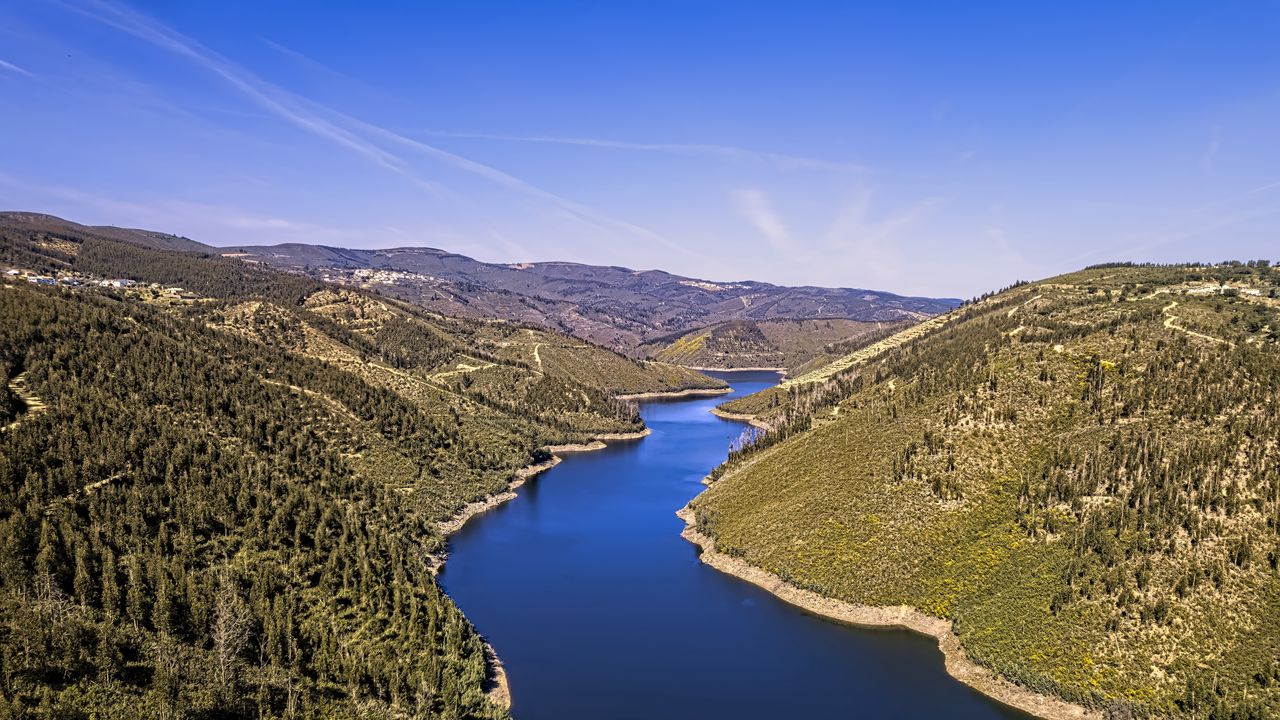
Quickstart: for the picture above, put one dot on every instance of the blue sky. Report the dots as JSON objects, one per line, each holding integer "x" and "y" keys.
{"x": 924, "y": 148}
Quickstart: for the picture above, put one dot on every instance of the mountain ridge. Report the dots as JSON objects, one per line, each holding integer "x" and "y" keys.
{"x": 615, "y": 306}
{"x": 624, "y": 309}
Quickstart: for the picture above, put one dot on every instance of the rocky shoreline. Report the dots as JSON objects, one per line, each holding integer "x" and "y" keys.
{"x": 957, "y": 661}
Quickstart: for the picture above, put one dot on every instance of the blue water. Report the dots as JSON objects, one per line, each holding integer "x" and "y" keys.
{"x": 600, "y": 610}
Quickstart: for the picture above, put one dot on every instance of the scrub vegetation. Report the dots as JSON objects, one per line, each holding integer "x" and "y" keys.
{"x": 222, "y": 500}
{"x": 1081, "y": 473}
{"x": 788, "y": 344}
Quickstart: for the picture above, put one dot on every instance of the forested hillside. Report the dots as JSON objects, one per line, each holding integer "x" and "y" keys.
{"x": 222, "y": 484}
{"x": 1081, "y": 473}
{"x": 788, "y": 344}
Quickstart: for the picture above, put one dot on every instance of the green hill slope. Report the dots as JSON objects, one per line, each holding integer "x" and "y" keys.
{"x": 788, "y": 344}
{"x": 1082, "y": 474}
{"x": 222, "y": 499}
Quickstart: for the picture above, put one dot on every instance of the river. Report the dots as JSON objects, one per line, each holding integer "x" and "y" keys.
{"x": 600, "y": 610}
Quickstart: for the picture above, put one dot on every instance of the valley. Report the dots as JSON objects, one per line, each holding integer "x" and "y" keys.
{"x": 1070, "y": 484}
{"x": 196, "y": 452}
{"x": 644, "y": 360}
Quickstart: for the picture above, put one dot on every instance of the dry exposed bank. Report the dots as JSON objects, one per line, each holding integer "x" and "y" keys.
{"x": 957, "y": 661}
{"x": 740, "y": 417}
{"x": 691, "y": 392}
{"x": 737, "y": 369}
{"x": 499, "y": 691}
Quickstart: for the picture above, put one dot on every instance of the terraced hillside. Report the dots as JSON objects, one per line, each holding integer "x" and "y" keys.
{"x": 1082, "y": 474}
{"x": 785, "y": 344}
{"x": 222, "y": 485}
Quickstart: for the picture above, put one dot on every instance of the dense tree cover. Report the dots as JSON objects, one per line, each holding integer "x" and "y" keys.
{"x": 180, "y": 536}
{"x": 1082, "y": 473}
{"x": 229, "y": 506}
{"x": 209, "y": 275}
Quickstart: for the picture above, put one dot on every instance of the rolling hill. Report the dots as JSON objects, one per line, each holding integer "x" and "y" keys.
{"x": 224, "y": 487}
{"x": 785, "y": 344}
{"x": 1081, "y": 475}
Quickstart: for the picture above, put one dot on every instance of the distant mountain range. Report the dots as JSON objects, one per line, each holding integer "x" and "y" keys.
{"x": 636, "y": 312}
{"x": 614, "y": 306}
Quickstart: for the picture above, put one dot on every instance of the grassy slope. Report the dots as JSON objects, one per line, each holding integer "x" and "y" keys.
{"x": 788, "y": 344}
{"x": 770, "y": 404}
{"x": 564, "y": 357}
{"x": 1086, "y": 489}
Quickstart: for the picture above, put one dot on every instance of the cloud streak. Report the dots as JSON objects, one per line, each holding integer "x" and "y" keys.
{"x": 514, "y": 183}
{"x": 164, "y": 213}
{"x": 15, "y": 69}
{"x": 876, "y": 243}
{"x": 1253, "y": 204}
{"x": 363, "y": 138}
{"x": 727, "y": 152}
{"x": 275, "y": 100}
{"x": 754, "y": 206}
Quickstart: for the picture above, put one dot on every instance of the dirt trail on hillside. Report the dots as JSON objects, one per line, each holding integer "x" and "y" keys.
{"x": 460, "y": 369}
{"x": 537, "y": 357}
{"x": 1171, "y": 322}
{"x": 34, "y": 404}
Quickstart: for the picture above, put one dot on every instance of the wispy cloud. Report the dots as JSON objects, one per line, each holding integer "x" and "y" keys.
{"x": 755, "y": 207}
{"x": 875, "y": 243}
{"x": 782, "y": 160}
{"x": 4, "y": 65}
{"x": 874, "y": 240}
{"x": 302, "y": 59}
{"x": 1262, "y": 189}
{"x": 162, "y": 214}
{"x": 1253, "y": 204}
{"x": 73, "y": 196}
{"x": 276, "y": 100}
{"x": 512, "y": 182}
{"x": 853, "y": 224}
{"x": 319, "y": 69}
{"x": 364, "y": 138}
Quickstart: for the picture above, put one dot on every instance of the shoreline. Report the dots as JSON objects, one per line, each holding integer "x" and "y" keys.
{"x": 740, "y": 417}
{"x": 499, "y": 692}
{"x": 472, "y": 509}
{"x": 737, "y": 369}
{"x": 691, "y": 392}
{"x": 955, "y": 660}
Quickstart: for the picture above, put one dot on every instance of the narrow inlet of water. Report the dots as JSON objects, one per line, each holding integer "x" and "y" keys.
{"x": 599, "y": 609}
